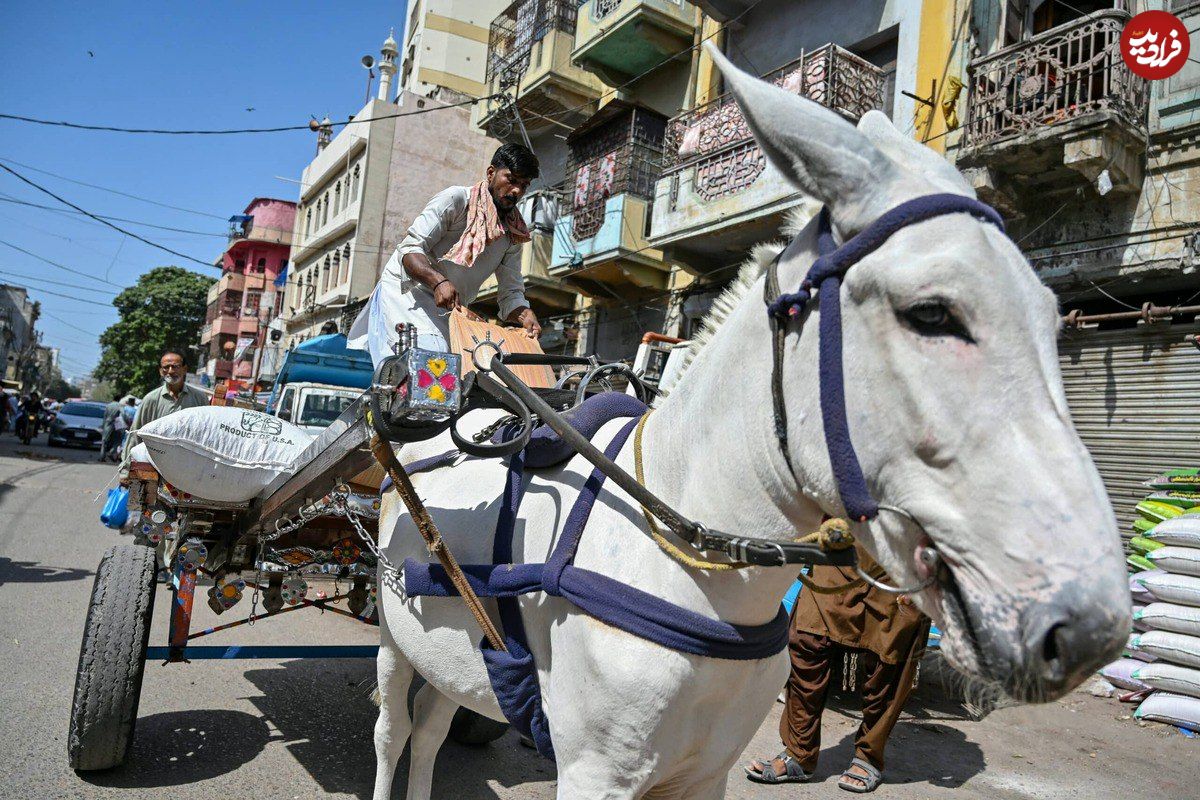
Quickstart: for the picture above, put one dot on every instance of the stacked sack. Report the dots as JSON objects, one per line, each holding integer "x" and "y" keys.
{"x": 1162, "y": 658}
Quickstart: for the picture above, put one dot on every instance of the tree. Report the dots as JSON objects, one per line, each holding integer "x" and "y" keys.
{"x": 58, "y": 387}
{"x": 164, "y": 310}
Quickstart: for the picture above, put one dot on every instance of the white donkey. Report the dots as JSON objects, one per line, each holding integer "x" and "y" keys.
{"x": 957, "y": 411}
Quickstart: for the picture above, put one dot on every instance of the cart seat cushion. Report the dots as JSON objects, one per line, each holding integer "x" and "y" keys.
{"x": 547, "y": 449}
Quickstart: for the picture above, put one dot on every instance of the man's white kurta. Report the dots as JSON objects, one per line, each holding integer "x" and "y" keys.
{"x": 399, "y": 298}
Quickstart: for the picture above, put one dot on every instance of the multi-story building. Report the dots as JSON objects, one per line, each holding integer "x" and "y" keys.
{"x": 242, "y": 303}
{"x": 445, "y": 47}
{"x": 18, "y": 338}
{"x": 654, "y": 184}
{"x": 1098, "y": 173}
{"x": 361, "y": 192}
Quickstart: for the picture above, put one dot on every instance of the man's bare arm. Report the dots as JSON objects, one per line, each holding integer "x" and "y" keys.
{"x": 421, "y": 269}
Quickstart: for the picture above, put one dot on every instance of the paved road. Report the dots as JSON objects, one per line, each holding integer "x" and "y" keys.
{"x": 301, "y": 729}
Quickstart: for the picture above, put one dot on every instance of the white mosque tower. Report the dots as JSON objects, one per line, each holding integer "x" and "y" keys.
{"x": 387, "y": 66}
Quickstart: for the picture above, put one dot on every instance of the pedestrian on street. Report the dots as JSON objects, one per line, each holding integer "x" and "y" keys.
{"x": 174, "y": 395}
{"x": 464, "y": 236}
{"x": 888, "y": 635}
{"x": 112, "y": 432}
{"x": 14, "y": 409}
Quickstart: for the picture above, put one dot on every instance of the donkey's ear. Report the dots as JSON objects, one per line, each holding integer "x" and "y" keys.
{"x": 912, "y": 155}
{"x": 827, "y": 157}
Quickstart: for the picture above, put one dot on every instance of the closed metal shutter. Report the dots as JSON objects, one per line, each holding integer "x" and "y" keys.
{"x": 1135, "y": 398}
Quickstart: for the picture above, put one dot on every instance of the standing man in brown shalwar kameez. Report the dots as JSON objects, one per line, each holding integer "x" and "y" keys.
{"x": 887, "y": 632}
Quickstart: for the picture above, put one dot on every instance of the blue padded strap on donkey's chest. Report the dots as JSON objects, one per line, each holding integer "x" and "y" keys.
{"x": 825, "y": 276}
{"x": 513, "y": 673}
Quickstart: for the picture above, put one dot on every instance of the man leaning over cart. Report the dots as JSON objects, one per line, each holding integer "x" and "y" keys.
{"x": 464, "y": 235}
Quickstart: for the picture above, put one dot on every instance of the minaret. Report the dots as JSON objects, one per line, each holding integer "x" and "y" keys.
{"x": 387, "y": 66}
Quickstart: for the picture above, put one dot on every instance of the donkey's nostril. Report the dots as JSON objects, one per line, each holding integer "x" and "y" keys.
{"x": 1053, "y": 669}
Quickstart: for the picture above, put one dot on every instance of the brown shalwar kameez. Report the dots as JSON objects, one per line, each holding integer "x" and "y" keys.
{"x": 889, "y": 636}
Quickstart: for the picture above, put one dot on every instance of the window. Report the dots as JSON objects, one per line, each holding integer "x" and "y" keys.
{"x": 240, "y": 265}
{"x": 354, "y": 181}
{"x": 337, "y": 197}
{"x": 345, "y": 264}
{"x": 325, "y": 209}
{"x": 325, "y": 274}
{"x": 261, "y": 266}
{"x": 335, "y": 272}
{"x": 307, "y": 223}
{"x": 322, "y": 409}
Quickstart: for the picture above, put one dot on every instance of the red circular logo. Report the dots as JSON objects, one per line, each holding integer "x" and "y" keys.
{"x": 1155, "y": 45}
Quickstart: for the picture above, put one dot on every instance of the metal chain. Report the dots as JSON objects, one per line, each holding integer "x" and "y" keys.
{"x": 342, "y": 506}
{"x": 337, "y": 504}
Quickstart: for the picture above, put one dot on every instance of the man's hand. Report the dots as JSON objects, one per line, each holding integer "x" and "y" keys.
{"x": 446, "y": 296}
{"x": 529, "y": 321}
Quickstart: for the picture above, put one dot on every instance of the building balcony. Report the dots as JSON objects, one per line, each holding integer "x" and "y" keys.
{"x": 601, "y": 250}
{"x": 230, "y": 283}
{"x": 1054, "y": 111}
{"x": 529, "y": 57}
{"x": 717, "y": 194}
{"x": 617, "y": 39}
{"x": 222, "y": 324}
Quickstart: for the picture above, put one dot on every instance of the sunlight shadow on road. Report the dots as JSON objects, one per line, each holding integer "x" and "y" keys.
{"x": 32, "y": 572}
{"x": 182, "y": 747}
{"x": 324, "y": 712}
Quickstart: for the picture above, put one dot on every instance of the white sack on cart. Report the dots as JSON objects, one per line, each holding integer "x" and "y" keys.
{"x": 222, "y": 453}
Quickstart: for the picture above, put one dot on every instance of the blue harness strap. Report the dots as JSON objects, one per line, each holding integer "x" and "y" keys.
{"x": 825, "y": 276}
{"x": 513, "y": 674}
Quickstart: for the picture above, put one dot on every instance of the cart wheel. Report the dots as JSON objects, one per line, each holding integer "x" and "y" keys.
{"x": 475, "y": 729}
{"x": 112, "y": 659}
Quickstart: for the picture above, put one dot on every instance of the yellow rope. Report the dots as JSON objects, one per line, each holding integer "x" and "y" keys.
{"x": 834, "y": 534}
{"x": 667, "y": 546}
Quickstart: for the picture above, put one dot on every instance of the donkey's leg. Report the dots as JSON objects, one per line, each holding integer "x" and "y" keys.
{"x": 393, "y": 726}
{"x": 432, "y": 714}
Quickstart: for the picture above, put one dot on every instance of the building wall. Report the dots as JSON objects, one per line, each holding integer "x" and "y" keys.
{"x": 1137, "y": 245}
{"x": 776, "y": 31}
{"x": 429, "y": 153}
{"x": 445, "y": 45}
{"x": 17, "y": 320}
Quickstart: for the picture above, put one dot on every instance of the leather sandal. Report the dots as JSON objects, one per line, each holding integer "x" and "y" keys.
{"x": 870, "y": 781}
{"x": 792, "y": 771}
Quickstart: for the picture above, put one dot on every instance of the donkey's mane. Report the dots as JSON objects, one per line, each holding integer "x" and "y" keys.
{"x": 754, "y": 266}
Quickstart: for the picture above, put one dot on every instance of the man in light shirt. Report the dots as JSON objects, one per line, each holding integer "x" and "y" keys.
{"x": 464, "y": 235}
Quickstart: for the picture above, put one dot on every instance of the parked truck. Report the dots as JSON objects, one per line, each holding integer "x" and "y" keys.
{"x": 320, "y": 379}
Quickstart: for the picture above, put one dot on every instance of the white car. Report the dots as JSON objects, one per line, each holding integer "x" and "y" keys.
{"x": 78, "y": 422}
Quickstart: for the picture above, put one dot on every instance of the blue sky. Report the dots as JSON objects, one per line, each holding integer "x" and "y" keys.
{"x": 198, "y": 65}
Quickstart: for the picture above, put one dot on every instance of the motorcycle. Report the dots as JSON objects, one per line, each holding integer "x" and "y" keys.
{"x": 27, "y": 423}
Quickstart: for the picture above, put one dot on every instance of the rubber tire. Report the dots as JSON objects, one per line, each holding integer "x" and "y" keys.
{"x": 112, "y": 659}
{"x": 474, "y": 729}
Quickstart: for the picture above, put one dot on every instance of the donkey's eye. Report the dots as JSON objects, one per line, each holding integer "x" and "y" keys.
{"x": 934, "y": 318}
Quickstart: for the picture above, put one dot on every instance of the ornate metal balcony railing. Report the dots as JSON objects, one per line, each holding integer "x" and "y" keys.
{"x": 619, "y": 156}
{"x": 1061, "y": 74}
{"x": 514, "y": 32}
{"x": 830, "y": 75}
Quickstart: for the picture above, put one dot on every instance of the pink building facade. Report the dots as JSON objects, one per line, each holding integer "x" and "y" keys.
{"x": 244, "y": 301}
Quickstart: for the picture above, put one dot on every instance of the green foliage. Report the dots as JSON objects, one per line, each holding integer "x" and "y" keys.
{"x": 164, "y": 310}
{"x": 103, "y": 390}
{"x": 58, "y": 387}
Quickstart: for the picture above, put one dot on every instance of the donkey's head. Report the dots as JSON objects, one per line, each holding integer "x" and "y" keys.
{"x": 956, "y": 408}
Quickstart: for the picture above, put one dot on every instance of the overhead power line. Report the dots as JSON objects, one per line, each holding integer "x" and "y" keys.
{"x": 62, "y": 321}
{"x": 88, "y": 300}
{"x": 54, "y": 264}
{"x": 230, "y": 131}
{"x": 19, "y": 276}
{"x": 113, "y": 219}
{"x": 111, "y": 191}
{"x": 117, "y": 228}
